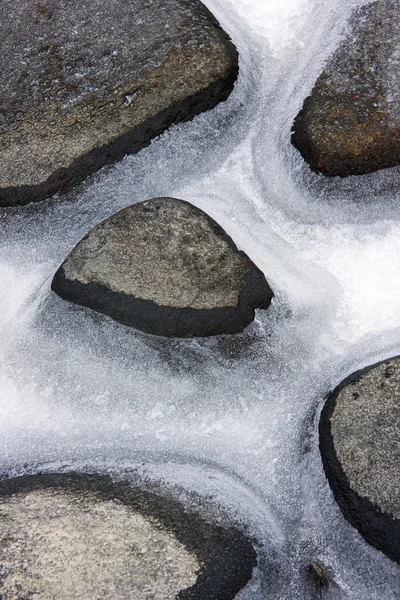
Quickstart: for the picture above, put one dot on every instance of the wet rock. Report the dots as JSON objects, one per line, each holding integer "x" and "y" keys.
{"x": 84, "y": 83}
{"x": 318, "y": 575}
{"x": 359, "y": 441}
{"x": 74, "y": 535}
{"x": 350, "y": 124}
{"x": 165, "y": 267}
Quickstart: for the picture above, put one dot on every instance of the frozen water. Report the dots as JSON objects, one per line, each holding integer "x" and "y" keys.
{"x": 231, "y": 419}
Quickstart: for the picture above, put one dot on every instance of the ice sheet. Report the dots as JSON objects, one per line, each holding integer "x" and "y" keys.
{"x": 233, "y": 419}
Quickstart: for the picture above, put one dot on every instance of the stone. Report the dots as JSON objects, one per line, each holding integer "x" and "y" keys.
{"x": 350, "y": 124}
{"x": 360, "y": 446}
{"x": 72, "y": 535}
{"x": 58, "y": 552}
{"x": 318, "y": 575}
{"x": 84, "y": 83}
{"x": 165, "y": 267}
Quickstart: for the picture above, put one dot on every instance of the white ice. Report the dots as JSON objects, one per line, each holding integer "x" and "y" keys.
{"x": 232, "y": 419}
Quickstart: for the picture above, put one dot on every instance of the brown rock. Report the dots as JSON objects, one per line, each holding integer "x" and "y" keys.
{"x": 350, "y": 124}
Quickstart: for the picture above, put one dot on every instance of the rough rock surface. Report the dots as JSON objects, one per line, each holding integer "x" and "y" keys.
{"x": 57, "y": 553}
{"x": 350, "y": 124}
{"x": 360, "y": 445}
{"x": 84, "y": 83}
{"x": 165, "y": 267}
{"x": 87, "y": 536}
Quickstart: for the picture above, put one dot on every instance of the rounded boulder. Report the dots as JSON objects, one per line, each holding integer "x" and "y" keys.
{"x": 82, "y": 84}
{"x": 69, "y": 535}
{"x": 360, "y": 446}
{"x": 165, "y": 267}
{"x": 350, "y": 123}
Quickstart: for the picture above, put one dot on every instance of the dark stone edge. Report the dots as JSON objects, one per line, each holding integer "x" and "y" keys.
{"x": 167, "y": 321}
{"x": 226, "y": 555}
{"x": 378, "y": 528}
{"x": 300, "y": 138}
{"x": 139, "y": 137}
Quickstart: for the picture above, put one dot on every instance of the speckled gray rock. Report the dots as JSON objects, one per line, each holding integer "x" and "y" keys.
{"x": 84, "y": 83}
{"x": 350, "y": 124}
{"x": 360, "y": 445}
{"x": 88, "y": 536}
{"x": 165, "y": 267}
{"x": 63, "y": 545}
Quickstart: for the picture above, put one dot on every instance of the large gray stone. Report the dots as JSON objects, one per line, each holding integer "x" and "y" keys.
{"x": 165, "y": 267}
{"x": 59, "y": 544}
{"x": 350, "y": 124}
{"x": 84, "y": 83}
{"x": 360, "y": 445}
{"x": 88, "y": 536}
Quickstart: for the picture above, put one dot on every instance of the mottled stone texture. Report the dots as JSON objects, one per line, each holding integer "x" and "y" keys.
{"x": 60, "y": 544}
{"x": 165, "y": 267}
{"x": 84, "y": 83}
{"x": 72, "y": 535}
{"x": 350, "y": 124}
{"x": 360, "y": 445}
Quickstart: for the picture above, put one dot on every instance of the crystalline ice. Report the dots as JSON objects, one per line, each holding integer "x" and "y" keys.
{"x": 233, "y": 419}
